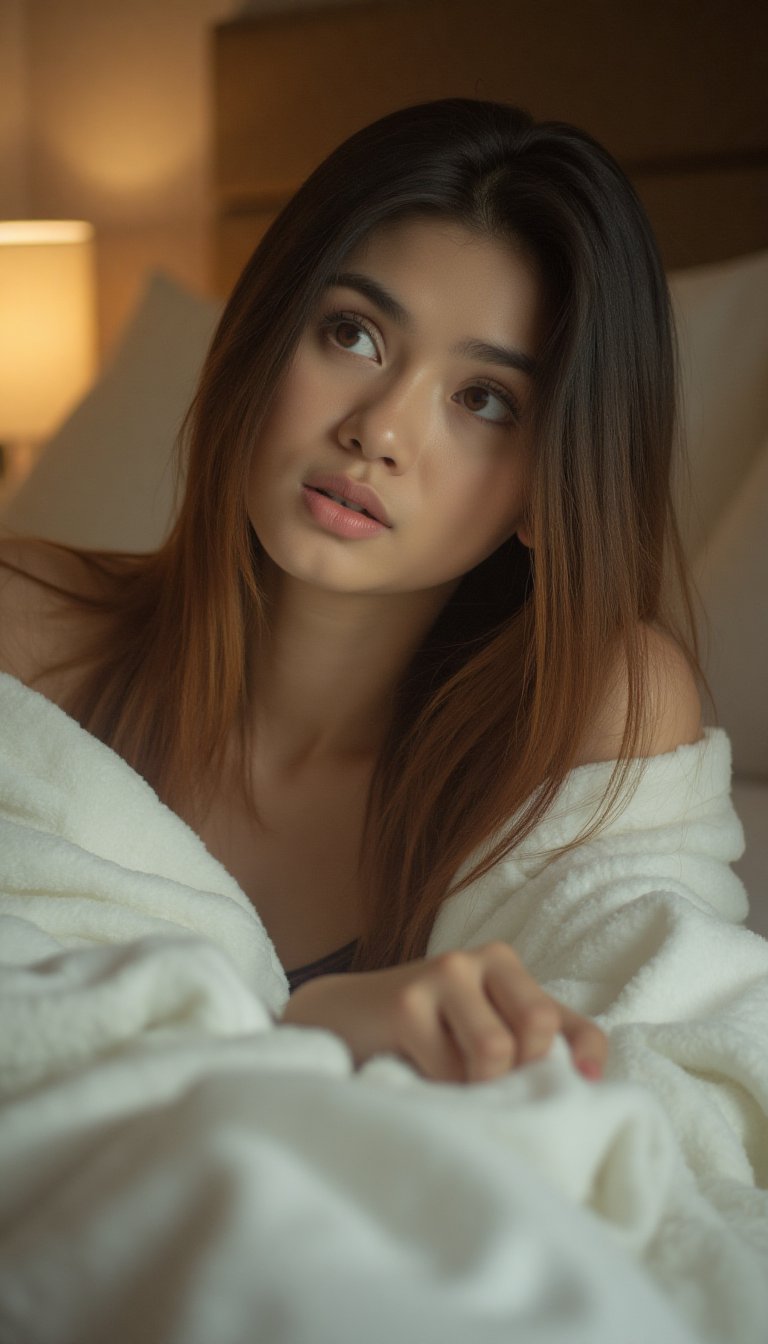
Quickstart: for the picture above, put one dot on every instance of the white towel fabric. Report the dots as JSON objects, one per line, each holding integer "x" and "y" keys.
{"x": 177, "y": 1168}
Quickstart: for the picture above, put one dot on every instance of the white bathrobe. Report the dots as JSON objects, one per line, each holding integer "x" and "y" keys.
{"x": 178, "y": 1168}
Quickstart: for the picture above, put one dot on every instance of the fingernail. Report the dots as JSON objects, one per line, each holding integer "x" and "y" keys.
{"x": 590, "y": 1069}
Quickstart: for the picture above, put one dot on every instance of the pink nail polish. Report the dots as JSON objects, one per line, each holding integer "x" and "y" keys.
{"x": 590, "y": 1069}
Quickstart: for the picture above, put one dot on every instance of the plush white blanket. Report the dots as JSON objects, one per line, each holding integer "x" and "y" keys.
{"x": 177, "y": 1168}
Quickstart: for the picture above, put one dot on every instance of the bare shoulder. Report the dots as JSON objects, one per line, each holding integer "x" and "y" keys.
{"x": 674, "y": 703}
{"x": 38, "y": 622}
{"x": 671, "y": 712}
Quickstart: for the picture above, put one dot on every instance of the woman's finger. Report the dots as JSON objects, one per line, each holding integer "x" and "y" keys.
{"x": 588, "y": 1044}
{"x": 485, "y": 1041}
{"x": 533, "y": 1017}
{"x": 424, "y": 1038}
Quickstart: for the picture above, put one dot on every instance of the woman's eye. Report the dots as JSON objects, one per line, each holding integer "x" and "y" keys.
{"x": 495, "y": 406}
{"x": 350, "y": 334}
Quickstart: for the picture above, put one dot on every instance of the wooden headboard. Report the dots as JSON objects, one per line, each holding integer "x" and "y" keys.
{"x": 675, "y": 89}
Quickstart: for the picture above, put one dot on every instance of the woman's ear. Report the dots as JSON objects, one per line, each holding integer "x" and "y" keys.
{"x": 524, "y": 536}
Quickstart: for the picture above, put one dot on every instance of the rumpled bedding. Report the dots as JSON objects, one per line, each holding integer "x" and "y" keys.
{"x": 178, "y": 1167}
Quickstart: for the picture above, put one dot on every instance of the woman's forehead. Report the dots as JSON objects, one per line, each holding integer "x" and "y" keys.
{"x": 402, "y": 232}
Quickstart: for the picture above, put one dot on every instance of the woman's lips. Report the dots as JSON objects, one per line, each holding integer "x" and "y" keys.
{"x": 338, "y": 519}
{"x": 357, "y": 492}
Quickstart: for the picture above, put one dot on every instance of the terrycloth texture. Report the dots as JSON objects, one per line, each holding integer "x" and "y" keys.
{"x": 177, "y": 1168}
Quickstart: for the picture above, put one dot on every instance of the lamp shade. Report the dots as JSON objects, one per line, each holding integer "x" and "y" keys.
{"x": 47, "y": 324}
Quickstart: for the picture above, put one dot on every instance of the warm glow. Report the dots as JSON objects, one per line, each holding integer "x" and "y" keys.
{"x": 47, "y": 324}
{"x": 20, "y": 231}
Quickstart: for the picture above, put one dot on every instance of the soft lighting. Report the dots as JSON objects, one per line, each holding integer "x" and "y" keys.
{"x": 47, "y": 326}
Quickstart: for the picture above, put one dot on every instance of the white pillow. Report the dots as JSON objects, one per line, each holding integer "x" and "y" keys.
{"x": 106, "y": 479}
{"x": 733, "y": 584}
{"x": 722, "y": 321}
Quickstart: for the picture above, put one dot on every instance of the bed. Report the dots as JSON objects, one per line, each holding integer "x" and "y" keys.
{"x": 192, "y": 1174}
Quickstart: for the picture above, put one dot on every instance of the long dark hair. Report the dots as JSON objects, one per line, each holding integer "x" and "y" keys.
{"x": 488, "y": 717}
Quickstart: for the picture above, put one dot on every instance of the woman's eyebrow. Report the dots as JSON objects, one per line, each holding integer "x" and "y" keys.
{"x": 506, "y": 355}
{"x": 483, "y": 351}
{"x": 371, "y": 289}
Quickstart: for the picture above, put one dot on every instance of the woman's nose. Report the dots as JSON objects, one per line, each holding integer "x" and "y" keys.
{"x": 389, "y": 424}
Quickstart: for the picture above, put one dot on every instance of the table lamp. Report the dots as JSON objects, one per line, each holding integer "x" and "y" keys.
{"x": 47, "y": 334}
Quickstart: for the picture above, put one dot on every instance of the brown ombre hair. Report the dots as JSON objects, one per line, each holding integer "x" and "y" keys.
{"x": 488, "y": 717}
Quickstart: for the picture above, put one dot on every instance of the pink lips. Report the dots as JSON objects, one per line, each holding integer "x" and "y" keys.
{"x": 355, "y": 491}
{"x": 336, "y": 518}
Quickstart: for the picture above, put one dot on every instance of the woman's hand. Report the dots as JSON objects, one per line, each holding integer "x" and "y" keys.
{"x": 459, "y": 1017}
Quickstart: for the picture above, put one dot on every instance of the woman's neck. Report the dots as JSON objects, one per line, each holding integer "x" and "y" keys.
{"x": 323, "y": 684}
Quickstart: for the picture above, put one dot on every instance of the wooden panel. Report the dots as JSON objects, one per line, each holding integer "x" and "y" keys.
{"x": 676, "y": 91}
{"x": 707, "y": 215}
{"x": 236, "y": 237}
{"x": 651, "y": 79}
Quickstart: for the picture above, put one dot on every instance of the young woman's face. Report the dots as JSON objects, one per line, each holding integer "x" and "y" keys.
{"x": 414, "y": 377}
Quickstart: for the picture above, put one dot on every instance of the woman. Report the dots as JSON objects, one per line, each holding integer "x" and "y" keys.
{"x": 419, "y": 572}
